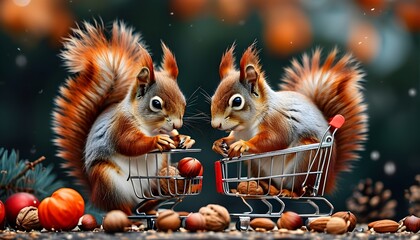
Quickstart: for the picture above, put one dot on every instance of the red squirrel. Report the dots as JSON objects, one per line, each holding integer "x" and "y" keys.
{"x": 115, "y": 108}
{"x": 260, "y": 119}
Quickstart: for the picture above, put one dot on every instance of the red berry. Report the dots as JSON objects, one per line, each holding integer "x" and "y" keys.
{"x": 16, "y": 202}
{"x": 189, "y": 167}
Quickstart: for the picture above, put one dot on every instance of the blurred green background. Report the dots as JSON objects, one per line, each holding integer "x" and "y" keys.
{"x": 382, "y": 34}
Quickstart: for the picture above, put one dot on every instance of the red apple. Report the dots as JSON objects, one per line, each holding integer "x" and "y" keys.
{"x": 16, "y": 202}
{"x": 2, "y": 215}
{"x": 189, "y": 167}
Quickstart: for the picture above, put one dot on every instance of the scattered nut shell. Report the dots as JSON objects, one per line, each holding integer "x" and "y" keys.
{"x": 168, "y": 220}
{"x": 217, "y": 217}
{"x": 27, "y": 219}
{"x": 412, "y": 223}
{"x": 116, "y": 221}
{"x": 348, "y": 217}
{"x": 336, "y": 225}
{"x": 88, "y": 223}
{"x": 318, "y": 224}
{"x": 290, "y": 220}
{"x": 250, "y": 187}
{"x": 264, "y": 223}
{"x": 195, "y": 222}
{"x": 384, "y": 226}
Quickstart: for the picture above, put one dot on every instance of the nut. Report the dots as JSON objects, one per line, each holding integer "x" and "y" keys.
{"x": 319, "y": 224}
{"x": 264, "y": 223}
{"x": 412, "y": 223}
{"x": 189, "y": 167}
{"x": 290, "y": 220}
{"x": 172, "y": 179}
{"x": 250, "y": 188}
{"x": 383, "y": 226}
{"x": 28, "y": 220}
{"x": 349, "y": 217}
{"x": 269, "y": 188}
{"x": 217, "y": 217}
{"x": 336, "y": 225}
{"x": 116, "y": 221}
{"x": 195, "y": 222}
{"x": 87, "y": 223}
{"x": 168, "y": 220}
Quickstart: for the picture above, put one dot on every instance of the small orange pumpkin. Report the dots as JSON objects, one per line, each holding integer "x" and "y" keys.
{"x": 62, "y": 210}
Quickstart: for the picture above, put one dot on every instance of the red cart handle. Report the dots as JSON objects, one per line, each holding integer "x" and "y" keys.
{"x": 337, "y": 121}
{"x": 218, "y": 176}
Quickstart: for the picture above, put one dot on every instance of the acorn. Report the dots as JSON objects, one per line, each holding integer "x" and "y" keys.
{"x": 87, "y": 223}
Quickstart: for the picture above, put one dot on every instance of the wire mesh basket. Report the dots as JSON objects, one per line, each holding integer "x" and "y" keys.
{"x": 284, "y": 183}
{"x": 158, "y": 186}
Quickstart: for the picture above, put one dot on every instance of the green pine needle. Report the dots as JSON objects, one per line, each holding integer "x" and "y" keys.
{"x": 38, "y": 180}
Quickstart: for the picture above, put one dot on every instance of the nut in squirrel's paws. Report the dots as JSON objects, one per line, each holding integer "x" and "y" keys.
{"x": 185, "y": 141}
{"x": 237, "y": 148}
{"x": 220, "y": 147}
{"x": 164, "y": 142}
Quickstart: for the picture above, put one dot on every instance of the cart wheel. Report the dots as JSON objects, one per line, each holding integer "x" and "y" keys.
{"x": 243, "y": 223}
{"x": 151, "y": 224}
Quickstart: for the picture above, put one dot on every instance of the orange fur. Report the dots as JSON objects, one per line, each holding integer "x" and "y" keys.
{"x": 111, "y": 76}
{"x": 227, "y": 63}
{"x": 338, "y": 91}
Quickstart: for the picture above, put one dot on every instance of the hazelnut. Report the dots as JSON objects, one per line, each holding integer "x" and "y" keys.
{"x": 348, "y": 217}
{"x": 168, "y": 220}
{"x": 195, "y": 222}
{"x": 116, "y": 221}
{"x": 87, "y": 223}
{"x": 217, "y": 217}
{"x": 262, "y": 223}
{"x": 172, "y": 183}
{"x": 189, "y": 167}
{"x": 27, "y": 219}
{"x": 336, "y": 225}
{"x": 250, "y": 188}
{"x": 412, "y": 223}
{"x": 318, "y": 224}
{"x": 290, "y": 220}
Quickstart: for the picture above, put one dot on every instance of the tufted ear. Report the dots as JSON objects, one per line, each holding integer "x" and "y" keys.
{"x": 169, "y": 62}
{"x": 250, "y": 69}
{"x": 146, "y": 76}
{"x": 228, "y": 62}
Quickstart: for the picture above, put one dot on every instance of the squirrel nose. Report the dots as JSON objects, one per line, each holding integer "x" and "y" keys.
{"x": 177, "y": 124}
{"x": 216, "y": 124}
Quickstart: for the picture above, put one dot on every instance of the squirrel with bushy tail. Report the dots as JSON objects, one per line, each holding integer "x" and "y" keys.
{"x": 115, "y": 108}
{"x": 312, "y": 92}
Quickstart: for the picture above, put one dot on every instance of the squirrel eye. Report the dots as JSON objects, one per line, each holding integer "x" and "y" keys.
{"x": 156, "y": 104}
{"x": 236, "y": 102}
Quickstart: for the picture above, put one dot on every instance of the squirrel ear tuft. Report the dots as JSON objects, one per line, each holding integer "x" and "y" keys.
{"x": 249, "y": 59}
{"x": 143, "y": 82}
{"x": 169, "y": 62}
{"x": 228, "y": 62}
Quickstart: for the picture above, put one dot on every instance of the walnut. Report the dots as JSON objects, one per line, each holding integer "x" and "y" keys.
{"x": 28, "y": 220}
{"x": 171, "y": 179}
{"x": 217, "y": 217}
{"x": 250, "y": 187}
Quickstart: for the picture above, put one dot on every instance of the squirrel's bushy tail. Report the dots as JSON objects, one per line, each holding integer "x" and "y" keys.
{"x": 98, "y": 80}
{"x": 335, "y": 87}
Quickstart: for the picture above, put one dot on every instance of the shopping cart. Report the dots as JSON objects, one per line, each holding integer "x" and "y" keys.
{"x": 303, "y": 190}
{"x": 156, "y": 187}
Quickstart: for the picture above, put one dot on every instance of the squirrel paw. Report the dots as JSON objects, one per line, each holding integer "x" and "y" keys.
{"x": 164, "y": 142}
{"x": 185, "y": 141}
{"x": 237, "y": 148}
{"x": 220, "y": 147}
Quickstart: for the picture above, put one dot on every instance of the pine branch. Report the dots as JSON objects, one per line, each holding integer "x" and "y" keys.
{"x": 29, "y": 166}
